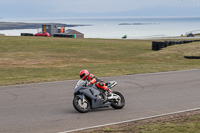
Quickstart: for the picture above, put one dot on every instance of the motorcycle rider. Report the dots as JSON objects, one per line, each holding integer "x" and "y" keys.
{"x": 85, "y": 75}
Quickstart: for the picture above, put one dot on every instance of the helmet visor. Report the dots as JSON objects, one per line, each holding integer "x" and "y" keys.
{"x": 81, "y": 76}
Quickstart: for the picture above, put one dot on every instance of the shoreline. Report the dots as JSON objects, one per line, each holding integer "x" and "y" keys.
{"x": 108, "y": 28}
{"x": 22, "y": 25}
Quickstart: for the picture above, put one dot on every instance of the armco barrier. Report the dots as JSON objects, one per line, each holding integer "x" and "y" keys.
{"x": 26, "y": 34}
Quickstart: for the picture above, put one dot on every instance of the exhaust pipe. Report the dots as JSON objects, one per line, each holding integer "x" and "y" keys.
{"x": 114, "y": 84}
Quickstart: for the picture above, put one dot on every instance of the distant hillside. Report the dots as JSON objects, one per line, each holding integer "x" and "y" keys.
{"x": 20, "y": 25}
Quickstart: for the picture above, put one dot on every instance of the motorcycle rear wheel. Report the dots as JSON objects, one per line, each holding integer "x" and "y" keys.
{"x": 120, "y": 103}
{"x": 80, "y": 105}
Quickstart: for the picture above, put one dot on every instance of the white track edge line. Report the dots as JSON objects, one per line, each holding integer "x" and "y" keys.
{"x": 149, "y": 117}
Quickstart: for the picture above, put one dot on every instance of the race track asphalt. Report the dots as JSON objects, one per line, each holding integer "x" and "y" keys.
{"x": 47, "y": 107}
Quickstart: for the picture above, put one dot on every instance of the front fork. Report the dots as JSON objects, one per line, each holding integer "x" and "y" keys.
{"x": 82, "y": 101}
{"x": 82, "y": 97}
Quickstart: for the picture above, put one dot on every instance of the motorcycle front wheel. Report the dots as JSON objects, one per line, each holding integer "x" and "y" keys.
{"x": 120, "y": 102}
{"x": 82, "y": 106}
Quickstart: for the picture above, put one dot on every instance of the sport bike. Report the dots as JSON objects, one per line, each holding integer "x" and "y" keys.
{"x": 88, "y": 97}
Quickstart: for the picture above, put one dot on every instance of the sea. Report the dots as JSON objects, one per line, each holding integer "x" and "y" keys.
{"x": 117, "y": 27}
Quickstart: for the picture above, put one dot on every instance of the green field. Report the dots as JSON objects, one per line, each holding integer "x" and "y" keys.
{"x": 37, "y": 59}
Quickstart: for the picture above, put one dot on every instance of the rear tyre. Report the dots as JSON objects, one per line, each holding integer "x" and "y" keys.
{"x": 120, "y": 102}
{"x": 82, "y": 106}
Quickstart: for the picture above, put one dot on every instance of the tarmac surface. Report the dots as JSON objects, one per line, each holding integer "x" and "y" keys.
{"x": 47, "y": 107}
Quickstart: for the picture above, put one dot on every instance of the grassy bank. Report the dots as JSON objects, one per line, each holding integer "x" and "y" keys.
{"x": 188, "y": 122}
{"x": 38, "y": 59}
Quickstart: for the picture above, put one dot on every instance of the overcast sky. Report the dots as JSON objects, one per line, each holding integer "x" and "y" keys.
{"x": 98, "y": 8}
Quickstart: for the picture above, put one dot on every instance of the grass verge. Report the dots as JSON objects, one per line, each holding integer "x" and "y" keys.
{"x": 187, "y": 122}
{"x": 37, "y": 59}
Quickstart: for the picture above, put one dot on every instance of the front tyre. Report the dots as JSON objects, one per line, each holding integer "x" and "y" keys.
{"x": 81, "y": 105}
{"x": 118, "y": 103}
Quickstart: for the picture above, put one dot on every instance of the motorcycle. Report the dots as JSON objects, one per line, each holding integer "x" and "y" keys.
{"x": 88, "y": 97}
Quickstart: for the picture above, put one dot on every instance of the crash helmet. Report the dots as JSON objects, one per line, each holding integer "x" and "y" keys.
{"x": 84, "y": 74}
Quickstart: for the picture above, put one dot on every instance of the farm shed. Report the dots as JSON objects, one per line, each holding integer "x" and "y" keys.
{"x": 78, "y": 34}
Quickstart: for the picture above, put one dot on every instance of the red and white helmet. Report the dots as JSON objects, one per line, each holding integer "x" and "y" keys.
{"x": 84, "y": 74}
